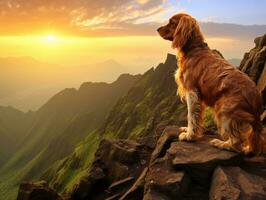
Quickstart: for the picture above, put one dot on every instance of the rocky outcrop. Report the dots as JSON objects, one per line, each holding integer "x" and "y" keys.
{"x": 116, "y": 166}
{"x": 254, "y": 64}
{"x": 235, "y": 183}
{"x": 128, "y": 170}
{"x": 37, "y": 191}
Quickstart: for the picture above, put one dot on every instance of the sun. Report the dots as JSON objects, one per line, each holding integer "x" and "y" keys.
{"x": 50, "y": 38}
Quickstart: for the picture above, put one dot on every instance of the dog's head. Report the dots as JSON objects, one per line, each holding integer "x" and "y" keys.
{"x": 180, "y": 29}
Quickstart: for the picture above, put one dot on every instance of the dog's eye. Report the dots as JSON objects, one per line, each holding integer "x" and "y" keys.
{"x": 172, "y": 22}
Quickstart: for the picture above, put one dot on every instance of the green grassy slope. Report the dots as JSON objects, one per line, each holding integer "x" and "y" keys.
{"x": 57, "y": 127}
{"x": 152, "y": 101}
{"x": 13, "y": 129}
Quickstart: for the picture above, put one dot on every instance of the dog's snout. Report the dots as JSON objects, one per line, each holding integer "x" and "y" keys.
{"x": 158, "y": 30}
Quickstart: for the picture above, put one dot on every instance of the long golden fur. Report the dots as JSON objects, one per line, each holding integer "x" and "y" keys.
{"x": 204, "y": 78}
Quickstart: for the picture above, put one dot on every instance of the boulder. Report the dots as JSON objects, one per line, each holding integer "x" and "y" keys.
{"x": 200, "y": 159}
{"x": 180, "y": 170}
{"x": 137, "y": 189}
{"x": 37, "y": 191}
{"x": 183, "y": 170}
{"x": 128, "y": 170}
{"x": 169, "y": 134}
{"x": 116, "y": 185}
{"x": 163, "y": 182}
{"x": 233, "y": 183}
{"x": 116, "y": 164}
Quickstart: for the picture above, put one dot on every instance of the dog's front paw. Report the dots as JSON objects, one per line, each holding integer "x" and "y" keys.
{"x": 183, "y": 129}
{"x": 183, "y": 136}
{"x": 187, "y": 136}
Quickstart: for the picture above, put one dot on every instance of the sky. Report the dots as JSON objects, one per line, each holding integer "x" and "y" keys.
{"x": 76, "y": 33}
{"x": 81, "y": 31}
{"x": 246, "y": 12}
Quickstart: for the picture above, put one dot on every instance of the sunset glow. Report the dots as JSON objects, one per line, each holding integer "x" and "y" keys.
{"x": 76, "y": 73}
{"x": 50, "y": 38}
{"x": 78, "y": 34}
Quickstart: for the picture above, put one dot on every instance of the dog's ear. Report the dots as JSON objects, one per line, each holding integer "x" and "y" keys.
{"x": 183, "y": 32}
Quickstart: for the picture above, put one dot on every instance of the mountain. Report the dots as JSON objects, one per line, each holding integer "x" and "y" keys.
{"x": 106, "y": 71}
{"x": 13, "y": 126}
{"x": 150, "y": 103}
{"x": 27, "y": 83}
{"x": 254, "y": 64}
{"x": 58, "y": 126}
{"x": 234, "y": 61}
{"x": 228, "y": 30}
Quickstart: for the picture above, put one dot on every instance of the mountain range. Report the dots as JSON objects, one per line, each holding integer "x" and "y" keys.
{"x": 71, "y": 135}
{"x": 51, "y": 133}
{"x": 26, "y": 83}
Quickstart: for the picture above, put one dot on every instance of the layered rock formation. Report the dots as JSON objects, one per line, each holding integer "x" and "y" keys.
{"x": 181, "y": 170}
{"x": 128, "y": 170}
{"x": 254, "y": 64}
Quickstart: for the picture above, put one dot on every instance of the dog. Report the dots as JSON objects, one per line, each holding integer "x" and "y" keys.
{"x": 204, "y": 78}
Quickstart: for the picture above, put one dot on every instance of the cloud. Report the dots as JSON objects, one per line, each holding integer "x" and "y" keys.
{"x": 235, "y": 31}
{"x": 73, "y": 16}
{"x": 101, "y": 18}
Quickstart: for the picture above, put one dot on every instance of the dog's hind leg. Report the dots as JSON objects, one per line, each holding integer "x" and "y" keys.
{"x": 195, "y": 109}
{"x": 230, "y": 130}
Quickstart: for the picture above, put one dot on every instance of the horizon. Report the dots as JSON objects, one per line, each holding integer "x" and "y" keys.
{"x": 74, "y": 35}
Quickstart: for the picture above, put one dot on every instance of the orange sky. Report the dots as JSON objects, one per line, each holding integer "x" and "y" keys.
{"x": 77, "y": 33}
{"x": 131, "y": 50}
{"x": 88, "y": 31}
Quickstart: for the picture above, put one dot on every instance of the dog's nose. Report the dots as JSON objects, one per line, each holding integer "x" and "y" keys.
{"x": 159, "y": 29}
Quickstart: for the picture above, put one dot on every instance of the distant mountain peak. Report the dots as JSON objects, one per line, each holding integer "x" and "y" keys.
{"x": 125, "y": 77}
{"x": 170, "y": 59}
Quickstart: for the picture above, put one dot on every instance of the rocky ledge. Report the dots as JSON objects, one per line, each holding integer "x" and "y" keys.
{"x": 130, "y": 170}
{"x": 37, "y": 191}
{"x": 254, "y": 65}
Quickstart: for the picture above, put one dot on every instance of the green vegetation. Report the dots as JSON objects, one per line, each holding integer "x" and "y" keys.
{"x": 209, "y": 121}
{"x": 63, "y": 175}
{"x": 50, "y": 134}
{"x": 66, "y": 132}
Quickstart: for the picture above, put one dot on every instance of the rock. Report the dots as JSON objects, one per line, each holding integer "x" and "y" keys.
{"x": 115, "y": 186}
{"x": 233, "y": 183}
{"x": 162, "y": 181}
{"x": 254, "y": 64}
{"x": 90, "y": 184}
{"x": 137, "y": 189}
{"x": 200, "y": 159}
{"x": 180, "y": 170}
{"x": 114, "y": 197}
{"x": 37, "y": 191}
{"x": 118, "y": 188}
{"x": 115, "y": 161}
{"x": 169, "y": 134}
{"x": 255, "y": 165}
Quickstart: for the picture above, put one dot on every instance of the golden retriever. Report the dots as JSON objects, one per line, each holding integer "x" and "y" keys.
{"x": 204, "y": 78}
